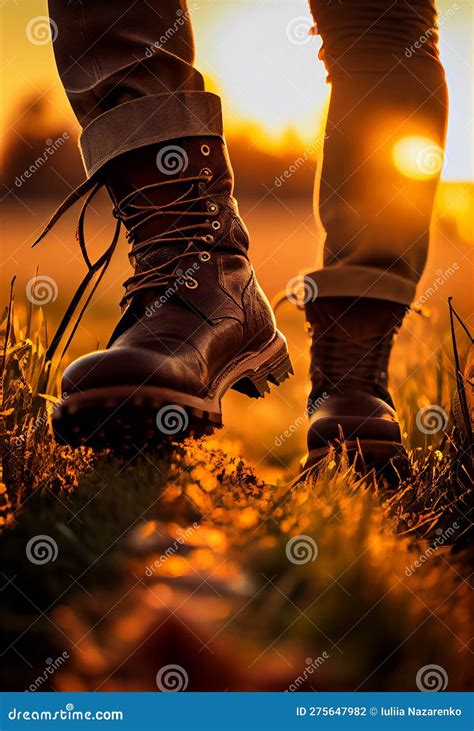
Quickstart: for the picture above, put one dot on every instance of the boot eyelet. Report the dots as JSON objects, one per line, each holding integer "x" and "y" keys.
{"x": 204, "y": 256}
{"x": 208, "y": 239}
{"x": 206, "y": 172}
{"x": 216, "y": 225}
{"x": 206, "y": 150}
{"x": 212, "y": 207}
{"x": 191, "y": 283}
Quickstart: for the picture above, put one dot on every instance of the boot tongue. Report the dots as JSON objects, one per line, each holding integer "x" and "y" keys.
{"x": 133, "y": 172}
{"x": 168, "y": 165}
{"x": 126, "y": 179}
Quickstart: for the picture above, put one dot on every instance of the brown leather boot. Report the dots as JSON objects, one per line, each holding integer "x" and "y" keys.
{"x": 349, "y": 401}
{"x": 195, "y": 323}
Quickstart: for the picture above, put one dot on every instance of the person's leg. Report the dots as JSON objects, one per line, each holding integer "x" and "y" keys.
{"x": 195, "y": 322}
{"x": 127, "y": 69}
{"x": 387, "y": 85}
{"x": 122, "y": 51}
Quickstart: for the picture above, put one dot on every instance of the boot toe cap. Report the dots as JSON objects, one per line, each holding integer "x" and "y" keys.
{"x": 351, "y": 416}
{"x": 133, "y": 367}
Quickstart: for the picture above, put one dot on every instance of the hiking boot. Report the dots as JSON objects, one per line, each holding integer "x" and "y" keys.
{"x": 195, "y": 321}
{"x": 349, "y": 403}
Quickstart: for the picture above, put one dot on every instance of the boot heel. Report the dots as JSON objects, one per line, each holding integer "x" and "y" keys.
{"x": 275, "y": 370}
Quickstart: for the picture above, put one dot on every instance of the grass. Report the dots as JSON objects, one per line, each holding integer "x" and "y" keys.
{"x": 186, "y": 558}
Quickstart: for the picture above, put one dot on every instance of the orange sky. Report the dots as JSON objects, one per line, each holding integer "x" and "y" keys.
{"x": 248, "y": 50}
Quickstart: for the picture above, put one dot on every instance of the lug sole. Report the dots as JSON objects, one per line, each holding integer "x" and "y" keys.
{"x": 132, "y": 417}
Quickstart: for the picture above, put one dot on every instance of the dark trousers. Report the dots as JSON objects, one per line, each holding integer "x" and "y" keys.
{"x": 128, "y": 70}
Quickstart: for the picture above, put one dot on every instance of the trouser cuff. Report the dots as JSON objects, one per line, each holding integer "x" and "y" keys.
{"x": 359, "y": 281}
{"x": 147, "y": 120}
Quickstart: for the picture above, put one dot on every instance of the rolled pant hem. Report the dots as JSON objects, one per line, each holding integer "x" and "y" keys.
{"x": 148, "y": 120}
{"x": 360, "y": 281}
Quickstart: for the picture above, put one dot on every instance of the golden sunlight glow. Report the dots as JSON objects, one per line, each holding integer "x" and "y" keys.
{"x": 419, "y": 158}
{"x": 258, "y": 55}
{"x": 265, "y": 62}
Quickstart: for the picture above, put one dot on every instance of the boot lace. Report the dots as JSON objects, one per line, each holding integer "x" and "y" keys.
{"x": 191, "y": 225}
{"x": 359, "y": 363}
